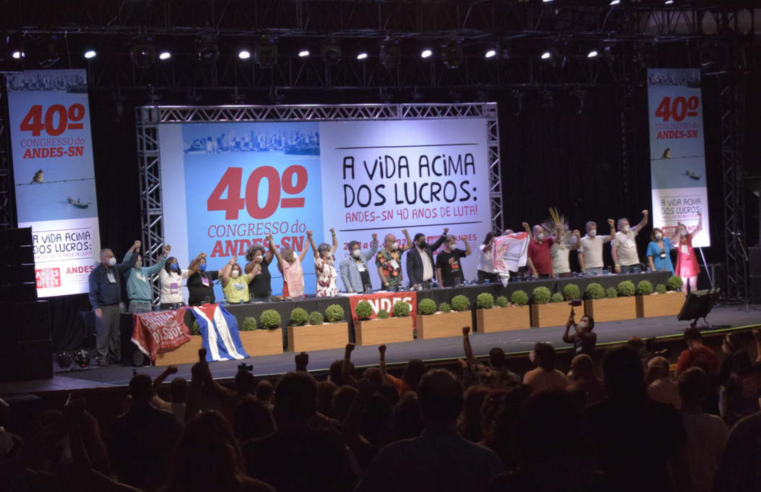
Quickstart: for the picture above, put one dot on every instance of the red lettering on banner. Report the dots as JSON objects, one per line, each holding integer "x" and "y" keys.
{"x": 156, "y": 333}
{"x": 48, "y": 278}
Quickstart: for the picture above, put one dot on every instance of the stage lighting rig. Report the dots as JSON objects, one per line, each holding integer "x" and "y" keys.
{"x": 391, "y": 53}
{"x": 165, "y": 55}
{"x": 451, "y": 55}
{"x": 90, "y": 54}
{"x": 331, "y": 52}
{"x": 207, "y": 49}
{"x": 49, "y": 54}
{"x": 265, "y": 53}
{"x": 142, "y": 52}
{"x": 82, "y": 359}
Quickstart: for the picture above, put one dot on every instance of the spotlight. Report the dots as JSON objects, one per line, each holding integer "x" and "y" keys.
{"x": 207, "y": 49}
{"x": 244, "y": 54}
{"x": 64, "y": 360}
{"x": 669, "y": 2}
{"x": 451, "y": 55}
{"x": 592, "y": 54}
{"x": 391, "y": 54}
{"x": 265, "y": 53}
{"x": 490, "y": 54}
{"x": 165, "y": 55}
{"x": 143, "y": 53}
{"x": 615, "y": 2}
{"x": 90, "y": 54}
{"x": 426, "y": 53}
{"x": 546, "y": 55}
{"x": 303, "y": 53}
{"x": 82, "y": 358}
{"x": 49, "y": 55}
{"x": 17, "y": 55}
{"x": 362, "y": 56}
{"x": 331, "y": 53}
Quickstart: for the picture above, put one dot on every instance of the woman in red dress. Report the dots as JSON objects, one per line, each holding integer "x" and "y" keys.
{"x": 686, "y": 262}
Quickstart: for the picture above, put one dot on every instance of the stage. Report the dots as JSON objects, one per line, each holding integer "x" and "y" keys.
{"x": 515, "y": 343}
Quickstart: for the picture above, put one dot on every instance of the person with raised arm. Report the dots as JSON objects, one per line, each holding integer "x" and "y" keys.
{"x": 171, "y": 277}
{"x": 355, "y": 274}
{"x": 235, "y": 282}
{"x": 583, "y": 338}
{"x": 659, "y": 252}
{"x": 138, "y": 277}
{"x": 687, "y": 267}
{"x": 590, "y": 251}
{"x": 485, "y": 270}
{"x": 260, "y": 288}
{"x": 420, "y": 265}
{"x": 324, "y": 266}
{"x": 496, "y": 374}
{"x": 563, "y": 243}
{"x": 290, "y": 264}
{"x": 389, "y": 261}
{"x": 448, "y": 265}
{"x": 201, "y": 284}
{"x": 624, "y": 250}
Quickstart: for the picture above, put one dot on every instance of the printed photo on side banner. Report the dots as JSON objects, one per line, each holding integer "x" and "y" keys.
{"x": 244, "y": 181}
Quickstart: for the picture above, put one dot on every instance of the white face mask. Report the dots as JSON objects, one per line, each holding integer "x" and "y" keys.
{"x": 625, "y": 229}
{"x": 541, "y": 235}
{"x": 355, "y": 253}
{"x": 235, "y": 274}
{"x": 138, "y": 264}
{"x": 531, "y": 356}
{"x": 394, "y": 246}
{"x": 583, "y": 324}
{"x": 592, "y": 232}
{"x": 111, "y": 261}
{"x": 658, "y": 237}
{"x": 683, "y": 231}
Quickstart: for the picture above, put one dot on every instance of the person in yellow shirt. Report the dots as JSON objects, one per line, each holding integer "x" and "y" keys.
{"x": 235, "y": 282}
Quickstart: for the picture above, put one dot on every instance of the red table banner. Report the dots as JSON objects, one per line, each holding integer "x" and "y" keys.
{"x": 159, "y": 332}
{"x": 385, "y": 300}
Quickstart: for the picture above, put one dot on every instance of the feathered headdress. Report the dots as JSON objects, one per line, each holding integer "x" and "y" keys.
{"x": 564, "y": 237}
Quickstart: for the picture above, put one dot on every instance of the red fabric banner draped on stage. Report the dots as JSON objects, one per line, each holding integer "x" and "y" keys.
{"x": 159, "y": 332}
{"x": 385, "y": 300}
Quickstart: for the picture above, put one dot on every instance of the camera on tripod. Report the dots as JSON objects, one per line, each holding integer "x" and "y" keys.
{"x": 245, "y": 367}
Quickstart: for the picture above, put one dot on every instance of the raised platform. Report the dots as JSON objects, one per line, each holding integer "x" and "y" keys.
{"x": 515, "y": 343}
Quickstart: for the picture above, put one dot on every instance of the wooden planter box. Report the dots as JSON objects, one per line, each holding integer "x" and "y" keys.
{"x": 262, "y": 342}
{"x": 617, "y": 309}
{"x": 659, "y": 305}
{"x": 320, "y": 337}
{"x": 442, "y": 325}
{"x": 503, "y": 319}
{"x": 380, "y": 331}
{"x": 553, "y": 314}
{"x": 184, "y": 354}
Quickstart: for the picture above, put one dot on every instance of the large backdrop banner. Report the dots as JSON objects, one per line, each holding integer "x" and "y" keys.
{"x": 677, "y": 151}
{"x": 54, "y": 176}
{"x": 225, "y": 186}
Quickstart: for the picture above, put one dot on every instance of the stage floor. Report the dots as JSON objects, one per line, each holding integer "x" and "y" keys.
{"x": 513, "y": 342}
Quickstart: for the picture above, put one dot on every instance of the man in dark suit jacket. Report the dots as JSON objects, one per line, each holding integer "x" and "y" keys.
{"x": 415, "y": 261}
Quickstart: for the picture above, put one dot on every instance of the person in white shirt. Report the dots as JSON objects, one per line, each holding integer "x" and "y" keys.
{"x": 625, "y": 246}
{"x": 486, "y": 261}
{"x": 564, "y": 242}
{"x": 662, "y": 388}
{"x": 590, "y": 251}
{"x": 171, "y": 277}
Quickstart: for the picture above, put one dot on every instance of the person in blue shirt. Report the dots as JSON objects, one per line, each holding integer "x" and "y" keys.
{"x": 106, "y": 300}
{"x": 139, "y": 282}
{"x": 659, "y": 252}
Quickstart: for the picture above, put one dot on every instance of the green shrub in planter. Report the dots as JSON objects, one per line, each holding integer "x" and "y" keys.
{"x": 595, "y": 291}
{"x": 382, "y": 314}
{"x": 249, "y": 324}
{"x": 644, "y": 288}
{"x": 299, "y": 317}
{"x": 460, "y": 303}
{"x": 541, "y": 295}
{"x": 426, "y": 307}
{"x": 661, "y": 289}
{"x": 611, "y": 293}
{"x": 484, "y": 301}
{"x": 674, "y": 283}
{"x": 270, "y": 320}
{"x": 557, "y": 298}
{"x": 519, "y": 298}
{"x": 364, "y": 310}
{"x": 194, "y": 329}
{"x": 626, "y": 288}
{"x": 334, "y": 313}
{"x": 571, "y": 292}
{"x": 315, "y": 318}
{"x": 445, "y": 308}
{"x": 401, "y": 309}
{"x": 502, "y": 301}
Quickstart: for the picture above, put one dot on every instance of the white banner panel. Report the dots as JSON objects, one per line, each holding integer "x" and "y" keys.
{"x": 54, "y": 177}
{"x": 677, "y": 151}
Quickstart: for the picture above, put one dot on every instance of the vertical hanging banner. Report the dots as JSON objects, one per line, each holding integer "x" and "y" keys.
{"x": 677, "y": 151}
{"x": 54, "y": 176}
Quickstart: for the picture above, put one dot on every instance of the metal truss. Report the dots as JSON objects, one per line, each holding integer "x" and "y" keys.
{"x": 7, "y": 205}
{"x": 150, "y": 117}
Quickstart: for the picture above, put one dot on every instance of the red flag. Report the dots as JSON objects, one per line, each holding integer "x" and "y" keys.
{"x": 159, "y": 332}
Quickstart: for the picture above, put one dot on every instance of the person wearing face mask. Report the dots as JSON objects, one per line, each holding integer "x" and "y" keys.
{"x": 563, "y": 243}
{"x": 583, "y": 338}
{"x": 290, "y": 265}
{"x": 201, "y": 284}
{"x": 324, "y": 266}
{"x": 139, "y": 283}
{"x": 106, "y": 300}
{"x": 260, "y": 288}
{"x": 388, "y": 261}
{"x": 590, "y": 251}
{"x": 170, "y": 279}
{"x": 448, "y": 265}
{"x": 539, "y": 260}
{"x": 659, "y": 252}
{"x": 235, "y": 282}
{"x": 354, "y": 272}
{"x": 624, "y": 249}
{"x": 420, "y": 267}
{"x": 687, "y": 267}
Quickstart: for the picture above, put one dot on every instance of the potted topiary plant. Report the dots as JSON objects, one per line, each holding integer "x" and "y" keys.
{"x": 441, "y": 325}
{"x": 383, "y": 329}
{"x": 484, "y": 301}
{"x": 502, "y": 302}
{"x": 460, "y": 303}
{"x": 509, "y": 315}
{"x": 611, "y": 293}
{"x": 674, "y": 283}
{"x": 299, "y": 317}
{"x": 571, "y": 292}
{"x": 651, "y": 305}
{"x": 611, "y": 304}
{"x": 626, "y": 289}
{"x": 249, "y": 324}
{"x": 318, "y": 335}
{"x": 426, "y": 307}
{"x": 548, "y": 309}
{"x": 445, "y": 308}
{"x": 267, "y": 339}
